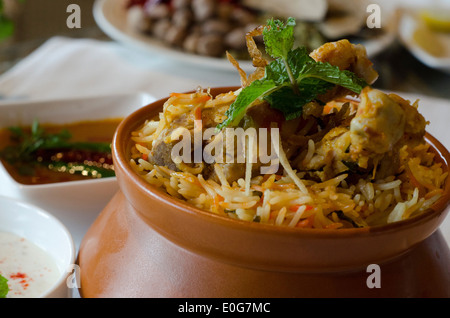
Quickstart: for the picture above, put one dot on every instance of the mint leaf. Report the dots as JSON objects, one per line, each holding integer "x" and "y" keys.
{"x": 303, "y": 66}
{"x": 290, "y": 103}
{"x": 292, "y": 80}
{"x": 332, "y": 74}
{"x": 279, "y": 38}
{"x": 296, "y": 61}
{"x": 4, "y": 289}
{"x": 256, "y": 90}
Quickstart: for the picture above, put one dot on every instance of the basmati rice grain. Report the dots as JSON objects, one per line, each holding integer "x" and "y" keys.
{"x": 281, "y": 215}
{"x": 297, "y": 216}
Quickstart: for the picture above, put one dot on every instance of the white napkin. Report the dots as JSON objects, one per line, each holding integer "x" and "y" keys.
{"x": 64, "y": 67}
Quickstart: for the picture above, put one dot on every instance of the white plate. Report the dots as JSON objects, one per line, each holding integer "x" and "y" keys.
{"x": 111, "y": 17}
{"x": 76, "y": 203}
{"x": 407, "y": 26}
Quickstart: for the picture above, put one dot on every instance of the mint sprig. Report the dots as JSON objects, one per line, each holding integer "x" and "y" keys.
{"x": 292, "y": 79}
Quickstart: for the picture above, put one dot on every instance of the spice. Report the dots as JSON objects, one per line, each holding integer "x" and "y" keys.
{"x": 22, "y": 278}
{"x": 30, "y": 271}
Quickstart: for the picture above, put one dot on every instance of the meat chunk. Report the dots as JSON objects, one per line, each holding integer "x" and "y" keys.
{"x": 347, "y": 56}
{"x": 180, "y": 114}
{"x": 382, "y": 124}
{"x": 378, "y": 124}
{"x": 161, "y": 155}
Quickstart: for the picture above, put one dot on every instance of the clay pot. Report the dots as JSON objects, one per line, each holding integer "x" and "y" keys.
{"x": 148, "y": 244}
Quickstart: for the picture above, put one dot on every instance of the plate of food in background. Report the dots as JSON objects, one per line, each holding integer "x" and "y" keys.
{"x": 425, "y": 32}
{"x": 200, "y": 32}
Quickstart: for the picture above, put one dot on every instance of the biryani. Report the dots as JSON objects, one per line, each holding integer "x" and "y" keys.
{"x": 306, "y": 142}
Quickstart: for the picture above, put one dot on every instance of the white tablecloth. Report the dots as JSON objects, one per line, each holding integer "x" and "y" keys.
{"x": 65, "y": 68}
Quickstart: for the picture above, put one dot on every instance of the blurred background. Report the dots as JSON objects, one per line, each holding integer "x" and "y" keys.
{"x": 36, "y": 21}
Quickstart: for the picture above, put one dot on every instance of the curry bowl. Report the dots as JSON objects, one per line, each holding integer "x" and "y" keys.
{"x": 75, "y": 203}
{"x": 146, "y": 243}
{"x": 80, "y": 195}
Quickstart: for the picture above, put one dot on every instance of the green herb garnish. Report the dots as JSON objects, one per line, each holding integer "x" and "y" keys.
{"x": 4, "y": 288}
{"x": 39, "y": 139}
{"x": 28, "y": 146}
{"x": 6, "y": 24}
{"x": 292, "y": 79}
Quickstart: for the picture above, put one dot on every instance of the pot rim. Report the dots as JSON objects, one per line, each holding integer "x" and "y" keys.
{"x": 129, "y": 124}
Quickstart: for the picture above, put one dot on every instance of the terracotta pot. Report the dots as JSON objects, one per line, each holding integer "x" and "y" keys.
{"x": 148, "y": 244}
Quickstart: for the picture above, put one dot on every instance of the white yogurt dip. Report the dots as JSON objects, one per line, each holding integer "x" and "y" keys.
{"x": 30, "y": 271}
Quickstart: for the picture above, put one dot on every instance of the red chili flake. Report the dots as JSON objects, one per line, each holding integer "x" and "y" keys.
{"x": 23, "y": 279}
{"x": 18, "y": 275}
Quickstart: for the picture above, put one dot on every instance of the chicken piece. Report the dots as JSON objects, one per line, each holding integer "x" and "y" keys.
{"x": 415, "y": 123}
{"x": 382, "y": 124}
{"x": 370, "y": 143}
{"x": 347, "y": 56}
{"x": 326, "y": 160}
{"x": 379, "y": 123}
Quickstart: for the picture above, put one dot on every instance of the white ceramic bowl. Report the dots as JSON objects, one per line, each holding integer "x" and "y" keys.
{"x": 408, "y": 24}
{"x": 75, "y": 203}
{"x": 47, "y": 232}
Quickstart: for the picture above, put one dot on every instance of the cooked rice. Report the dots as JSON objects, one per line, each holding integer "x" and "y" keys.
{"x": 291, "y": 199}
